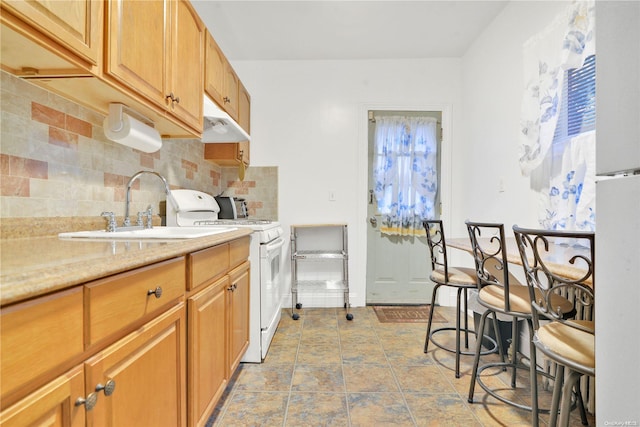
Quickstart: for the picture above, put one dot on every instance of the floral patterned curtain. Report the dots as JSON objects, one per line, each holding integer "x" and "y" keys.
{"x": 570, "y": 203}
{"x": 405, "y": 173}
{"x": 558, "y": 156}
{"x": 563, "y": 45}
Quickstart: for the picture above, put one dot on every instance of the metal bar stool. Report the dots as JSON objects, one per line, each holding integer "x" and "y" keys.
{"x": 500, "y": 292}
{"x": 570, "y": 343}
{"x": 462, "y": 279}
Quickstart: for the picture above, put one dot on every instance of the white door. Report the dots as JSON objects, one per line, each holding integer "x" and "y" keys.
{"x": 398, "y": 267}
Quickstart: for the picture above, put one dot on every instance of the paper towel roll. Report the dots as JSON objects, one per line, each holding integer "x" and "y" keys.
{"x": 135, "y": 134}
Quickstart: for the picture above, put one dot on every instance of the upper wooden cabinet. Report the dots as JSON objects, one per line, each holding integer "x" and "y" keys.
{"x": 148, "y": 55}
{"x": 234, "y": 153}
{"x": 221, "y": 82}
{"x": 244, "y": 120}
{"x": 214, "y": 64}
{"x": 227, "y": 153}
{"x": 187, "y": 62}
{"x": 155, "y": 48}
{"x": 51, "y": 37}
{"x": 244, "y": 108}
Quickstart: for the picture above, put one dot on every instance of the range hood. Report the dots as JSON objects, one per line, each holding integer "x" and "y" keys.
{"x": 219, "y": 126}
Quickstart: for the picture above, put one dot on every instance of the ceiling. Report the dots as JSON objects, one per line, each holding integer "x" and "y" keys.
{"x": 326, "y": 30}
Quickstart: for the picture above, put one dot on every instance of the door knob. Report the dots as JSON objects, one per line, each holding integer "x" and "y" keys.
{"x": 374, "y": 221}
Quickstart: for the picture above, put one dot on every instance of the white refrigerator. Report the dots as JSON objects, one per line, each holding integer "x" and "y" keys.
{"x": 617, "y": 268}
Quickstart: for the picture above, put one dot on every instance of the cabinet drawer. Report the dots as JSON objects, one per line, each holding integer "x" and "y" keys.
{"x": 238, "y": 251}
{"x": 38, "y": 335}
{"x": 208, "y": 264}
{"x": 118, "y": 301}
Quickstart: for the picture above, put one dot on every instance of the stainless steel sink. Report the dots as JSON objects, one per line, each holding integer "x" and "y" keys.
{"x": 150, "y": 233}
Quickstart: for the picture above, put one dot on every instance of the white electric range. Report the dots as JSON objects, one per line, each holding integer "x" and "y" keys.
{"x": 196, "y": 208}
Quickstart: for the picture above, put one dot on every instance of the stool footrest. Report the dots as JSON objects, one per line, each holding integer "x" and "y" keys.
{"x": 493, "y": 349}
{"x": 503, "y": 399}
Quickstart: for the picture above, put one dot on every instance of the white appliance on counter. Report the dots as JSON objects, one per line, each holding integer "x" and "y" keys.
{"x": 196, "y": 208}
{"x": 617, "y": 266}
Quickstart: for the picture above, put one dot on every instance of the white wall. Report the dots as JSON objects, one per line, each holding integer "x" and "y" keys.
{"x": 486, "y": 158}
{"x": 492, "y": 87}
{"x": 309, "y": 119}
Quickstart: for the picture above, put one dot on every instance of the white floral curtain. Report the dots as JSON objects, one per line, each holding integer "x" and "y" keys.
{"x": 405, "y": 173}
{"x": 570, "y": 202}
{"x": 561, "y": 166}
{"x": 563, "y": 45}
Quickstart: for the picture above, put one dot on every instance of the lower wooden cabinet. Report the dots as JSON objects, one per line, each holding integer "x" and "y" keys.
{"x": 207, "y": 353}
{"x": 28, "y": 335}
{"x": 139, "y": 380}
{"x": 162, "y": 363}
{"x": 218, "y": 338}
{"x": 239, "y": 315}
{"x": 51, "y": 405}
{"x": 147, "y": 372}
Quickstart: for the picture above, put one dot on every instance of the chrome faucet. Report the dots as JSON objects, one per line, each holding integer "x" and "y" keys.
{"x": 127, "y": 221}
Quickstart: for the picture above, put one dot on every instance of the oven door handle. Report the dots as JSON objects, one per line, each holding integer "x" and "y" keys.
{"x": 274, "y": 244}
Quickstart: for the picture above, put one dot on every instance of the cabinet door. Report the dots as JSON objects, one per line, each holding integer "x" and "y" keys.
{"x": 187, "y": 62}
{"x": 75, "y": 25}
{"x": 148, "y": 368}
{"x": 207, "y": 350}
{"x": 231, "y": 88}
{"x": 137, "y": 33}
{"x": 239, "y": 314}
{"x": 244, "y": 120}
{"x": 223, "y": 153}
{"x": 51, "y": 405}
{"x": 27, "y": 335}
{"x": 214, "y": 70}
{"x": 244, "y": 108}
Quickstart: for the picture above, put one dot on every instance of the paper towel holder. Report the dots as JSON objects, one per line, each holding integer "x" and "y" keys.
{"x": 121, "y": 119}
{"x": 116, "y": 121}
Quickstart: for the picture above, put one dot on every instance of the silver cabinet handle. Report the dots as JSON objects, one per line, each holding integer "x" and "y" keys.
{"x": 174, "y": 99}
{"x": 157, "y": 292}
{"x": 232, "y": 287}
{"x": 108, "y": 388}
{"x": 373, "y": 220}
{"x": 89, "y": 402}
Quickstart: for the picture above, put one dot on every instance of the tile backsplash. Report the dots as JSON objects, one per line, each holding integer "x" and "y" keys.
{"x": 56, "y": 162}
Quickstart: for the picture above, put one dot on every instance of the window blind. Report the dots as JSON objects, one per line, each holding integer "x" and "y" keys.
{"x": 578, "y": 110}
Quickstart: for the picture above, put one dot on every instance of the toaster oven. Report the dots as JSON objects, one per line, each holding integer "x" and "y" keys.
{"x": 231, "y": 208}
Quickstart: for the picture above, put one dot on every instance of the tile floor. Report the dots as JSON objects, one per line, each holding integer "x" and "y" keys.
{"x": 323, "y": 370}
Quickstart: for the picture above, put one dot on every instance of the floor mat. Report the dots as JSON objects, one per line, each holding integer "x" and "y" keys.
{"x": 406, "y": 314}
